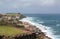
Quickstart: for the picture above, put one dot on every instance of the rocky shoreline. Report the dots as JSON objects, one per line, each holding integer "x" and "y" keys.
{"x": 12, "y": 19}
{"x": 34, "y": 29}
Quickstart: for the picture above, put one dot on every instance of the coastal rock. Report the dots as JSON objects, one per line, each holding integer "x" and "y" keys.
{"x": 36, "y": 30}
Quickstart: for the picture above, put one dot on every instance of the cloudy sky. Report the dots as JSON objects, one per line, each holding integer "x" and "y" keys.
{"x": 30, "y": 6}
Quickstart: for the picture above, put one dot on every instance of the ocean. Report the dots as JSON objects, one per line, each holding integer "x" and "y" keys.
{"x": 48, "y": 23}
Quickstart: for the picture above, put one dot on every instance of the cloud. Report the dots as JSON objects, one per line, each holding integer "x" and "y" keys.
{"x": 27, "y": 3}
{"x": 1, "y": 2}
{"x": 47, "y": 2}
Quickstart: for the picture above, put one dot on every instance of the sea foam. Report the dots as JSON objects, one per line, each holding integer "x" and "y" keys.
{"x": 47, "y": 30}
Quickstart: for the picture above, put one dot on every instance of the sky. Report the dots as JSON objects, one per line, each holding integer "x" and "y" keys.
{"x": 30, "y": 6}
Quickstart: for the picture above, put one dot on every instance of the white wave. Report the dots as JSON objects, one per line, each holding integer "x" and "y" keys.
{"x": 47, "y": 30}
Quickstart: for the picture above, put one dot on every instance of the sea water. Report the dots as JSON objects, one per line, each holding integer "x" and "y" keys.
{"x": 47, "y": 23}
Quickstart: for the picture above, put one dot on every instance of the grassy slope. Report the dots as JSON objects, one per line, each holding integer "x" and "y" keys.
{"x": 10, "y": 31}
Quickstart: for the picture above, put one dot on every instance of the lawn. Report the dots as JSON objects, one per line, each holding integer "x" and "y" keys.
{"x": 10, "y": 31}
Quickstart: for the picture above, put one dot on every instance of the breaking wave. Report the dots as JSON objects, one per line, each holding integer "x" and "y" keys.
{"x": 47, "y": 30}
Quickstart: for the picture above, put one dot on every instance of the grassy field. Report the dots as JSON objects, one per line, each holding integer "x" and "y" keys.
{"x": 10, "y": 31}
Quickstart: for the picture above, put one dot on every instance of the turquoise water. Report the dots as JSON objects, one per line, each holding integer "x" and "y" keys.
{"x": 49, "y": 20}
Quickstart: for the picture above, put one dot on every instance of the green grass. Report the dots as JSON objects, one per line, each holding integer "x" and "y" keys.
{"x": 11, "y": 14}
{"x": 10, "y": 31}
